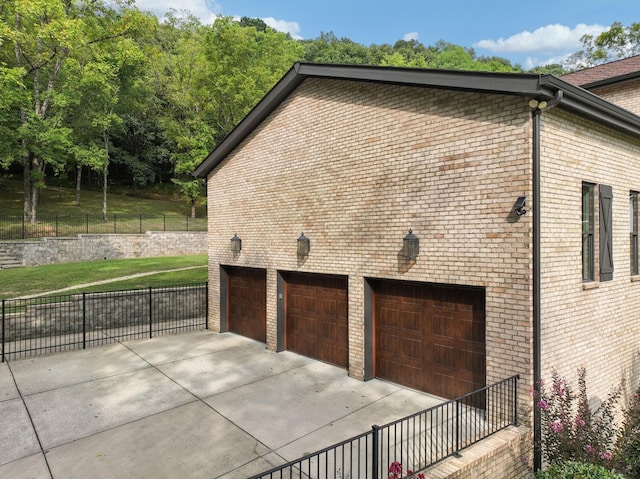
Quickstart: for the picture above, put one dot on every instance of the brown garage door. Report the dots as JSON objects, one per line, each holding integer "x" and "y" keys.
{"x": 430, "y": 337}
{"x": 316, "y": 317}
{"x": 247, "y": 302}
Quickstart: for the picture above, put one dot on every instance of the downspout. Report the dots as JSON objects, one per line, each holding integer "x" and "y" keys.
{"x": 537, "y": 371}
{"x": 537, "y": 330}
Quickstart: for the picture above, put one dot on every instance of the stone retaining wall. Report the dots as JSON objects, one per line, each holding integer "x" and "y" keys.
{"x": 29, "y": 319}
{"x": 88, "y": 247}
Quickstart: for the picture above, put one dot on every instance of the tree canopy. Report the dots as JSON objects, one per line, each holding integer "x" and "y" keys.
{"x": 96, "y": 91}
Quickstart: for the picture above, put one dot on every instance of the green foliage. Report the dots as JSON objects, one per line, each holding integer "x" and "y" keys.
{"x": 576, "y": 470}
{"x": 613, "y": 44}
{"x": 571, "y": 430}
{"x": 97, "y": 89}
{"x": 627, "y": 459}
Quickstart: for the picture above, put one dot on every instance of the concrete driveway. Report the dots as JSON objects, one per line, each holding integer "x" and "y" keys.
{"x": 194, "y": 405}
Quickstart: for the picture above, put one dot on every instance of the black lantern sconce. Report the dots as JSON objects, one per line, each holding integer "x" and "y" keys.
{"x": 410, "y": 245}
{"x": 304, "y": 245}
{"x": 236, "y": 244}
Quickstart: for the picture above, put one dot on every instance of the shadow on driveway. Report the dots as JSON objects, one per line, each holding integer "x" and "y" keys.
{"x": 194, "y": 405}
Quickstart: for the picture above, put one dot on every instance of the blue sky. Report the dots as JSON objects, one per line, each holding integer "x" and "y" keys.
{"x": 535, "y": 33}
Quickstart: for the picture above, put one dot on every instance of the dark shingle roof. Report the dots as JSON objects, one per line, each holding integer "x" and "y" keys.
{"x": 616, "y": 71}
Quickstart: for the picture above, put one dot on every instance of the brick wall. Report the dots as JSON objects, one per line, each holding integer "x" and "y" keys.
{"x": 354, "y": 166}
{"x": 593, "y": 325}
{"x": 110, "y": 246}
{"x": 626, "y": 95}
{"x": 505, "y": 455}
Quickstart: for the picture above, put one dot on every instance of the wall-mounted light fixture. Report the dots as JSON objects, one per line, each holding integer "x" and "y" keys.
{"x": 410, "y": 245}
{"x": 540, "y": 105}
{"x": 236, "y": 244}
{"x": 304, "y": 245}
{"x": 519, "y": 206}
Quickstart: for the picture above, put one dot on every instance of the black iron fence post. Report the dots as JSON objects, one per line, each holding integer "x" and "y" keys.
{"x": 140, "y": 223}
{"x": 56, "y": 225}
{"x": 115, "y": 224}
{"x": 375, "y": 444}
{"x": 150, "y": 312}
{"x": 458, "y": 424}
{"x": 84, "y": 320}
{"x": 24, "y": 233}
{"x": 206, "y": 305}
{"x": 87, "y": 223}
{"x": 515, "y": 399}
{"x": 3, "y": 330}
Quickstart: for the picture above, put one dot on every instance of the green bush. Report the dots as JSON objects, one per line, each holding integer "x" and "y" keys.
{"x": 577, "y": 470}
{"x": 571, "y": 430}
{"x": 628, "y": 445}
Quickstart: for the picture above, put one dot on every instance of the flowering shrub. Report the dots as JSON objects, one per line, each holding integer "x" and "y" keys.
{"x": 571, "y": 431}
{"x": 395, "y": 471}
{"x": 576, "y": 470}
{"x": 628, "y": 445}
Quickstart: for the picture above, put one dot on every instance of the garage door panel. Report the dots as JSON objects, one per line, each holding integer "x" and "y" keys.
{"x": 436, "y": 330}
{"x": 444, "y": 355}
{"x": 316, "y": 322}
{"x": 247, "y": 302}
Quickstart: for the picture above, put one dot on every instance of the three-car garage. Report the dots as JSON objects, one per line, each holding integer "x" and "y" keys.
{"x": 425, "y": 336}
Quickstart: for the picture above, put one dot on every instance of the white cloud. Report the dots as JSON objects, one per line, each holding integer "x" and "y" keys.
{"x": 410, "y": 36}
{"x": 292, "y": 28}
{"x": 204, "y": 10}
{"x": 207, "y": 10}
{"x": 531, "y": 62}
{"x": 548, "y": 39}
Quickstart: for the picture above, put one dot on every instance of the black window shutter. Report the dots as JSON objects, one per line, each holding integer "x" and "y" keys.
{"x": 606, "y": 233}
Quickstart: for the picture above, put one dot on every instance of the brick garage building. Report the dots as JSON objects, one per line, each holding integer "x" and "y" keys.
{"x": 355, "y": 157}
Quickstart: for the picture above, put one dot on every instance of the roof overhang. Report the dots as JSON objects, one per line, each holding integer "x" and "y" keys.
{"x": 541, "y": 87}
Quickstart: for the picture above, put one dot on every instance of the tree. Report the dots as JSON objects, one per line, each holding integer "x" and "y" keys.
{"x": 211, "y": 77}
{"x": 616, "y": 43}
{"x": 41, "y": 36}
{"x": 327, "y": 48}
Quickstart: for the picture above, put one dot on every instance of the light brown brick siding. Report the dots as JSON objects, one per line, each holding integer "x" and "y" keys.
{"x": 596, "y": 326}
{"x": 626, "y": 95}
{"x": 354, "y": 166}
{"x": 505, "y": 455}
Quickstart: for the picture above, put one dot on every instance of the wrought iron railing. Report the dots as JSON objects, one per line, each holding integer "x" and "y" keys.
{"x": 15, "y": 227}
{"x": 417, "y": 441}
{"x": 50, "y": 324}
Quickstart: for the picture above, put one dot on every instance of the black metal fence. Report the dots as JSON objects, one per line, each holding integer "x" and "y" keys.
{"x": 60, "y": 323}
{"x": 417, "y": 441}
{"x": 15, "y": 227}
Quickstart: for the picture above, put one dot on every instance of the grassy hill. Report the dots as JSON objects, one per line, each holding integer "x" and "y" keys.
{"x": 60, "y": 200}
{"x": 39, "y": 279}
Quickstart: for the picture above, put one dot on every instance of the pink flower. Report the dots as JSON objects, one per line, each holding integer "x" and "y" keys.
{"x": 605, "y": 455}
{"x": 543, "y": 405}
{"x": 579, "y": 422}
{"x": 588, "y": 448}
{"x": 556, "y": 426}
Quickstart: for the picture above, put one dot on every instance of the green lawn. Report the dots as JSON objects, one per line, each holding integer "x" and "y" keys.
{"x": 30, "y": 280}
{"x": 58, "y": 200}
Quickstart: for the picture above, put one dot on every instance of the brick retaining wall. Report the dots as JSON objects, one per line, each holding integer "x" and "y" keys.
{"x": 505, "y": 455}
{"x": 88, "y": 247}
